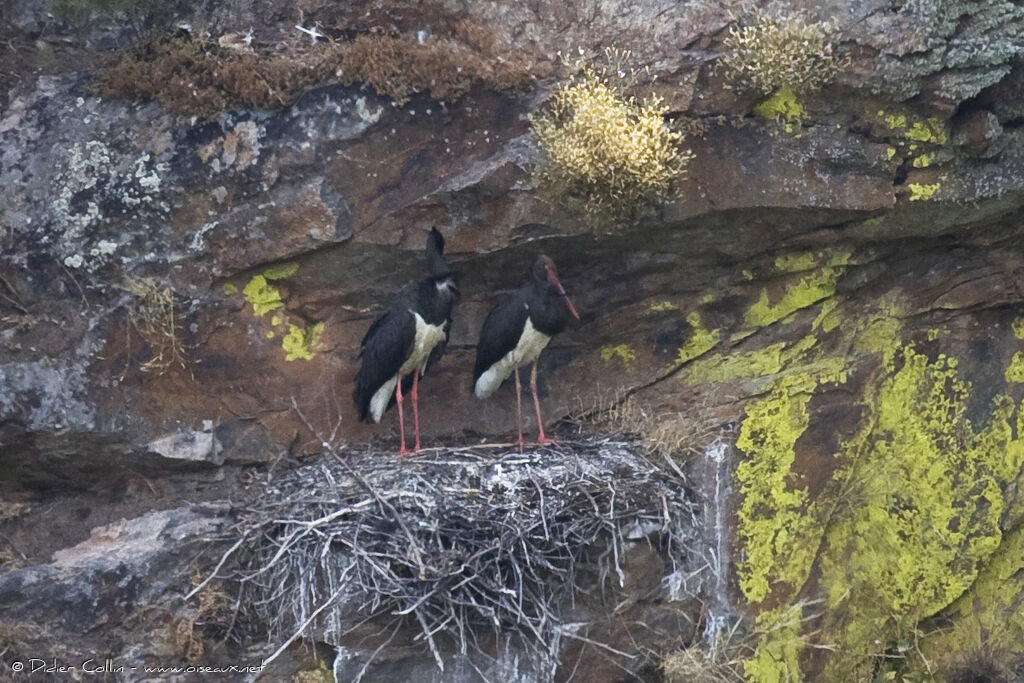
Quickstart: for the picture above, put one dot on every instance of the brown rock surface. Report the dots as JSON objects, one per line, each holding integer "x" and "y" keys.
{"x": 784, "y": 249}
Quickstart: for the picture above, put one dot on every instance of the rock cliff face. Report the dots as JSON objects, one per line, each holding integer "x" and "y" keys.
{"x": 836, "y": 296}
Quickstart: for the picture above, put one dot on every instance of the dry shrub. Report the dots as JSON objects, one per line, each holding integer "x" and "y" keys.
{"x": 400, "y": 66}
{"x": 210, "y": 616}
{"x": 155, "y": 315}
{"x": 607, "y": 153}
{"x": 197, "y": 76}
{"x": 776, "y": 48}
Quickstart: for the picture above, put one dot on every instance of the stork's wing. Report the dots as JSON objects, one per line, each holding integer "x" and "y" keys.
{"x": 385, "y": 347}
{"x": 500, "y": 334}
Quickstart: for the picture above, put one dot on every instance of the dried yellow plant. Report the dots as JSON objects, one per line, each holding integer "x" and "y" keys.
{"x": 776, "y": 50}
{"x": 606, "y": 150}
{"x": 154, "y": 313}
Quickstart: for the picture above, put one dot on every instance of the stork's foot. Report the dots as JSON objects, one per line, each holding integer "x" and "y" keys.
{"x": 405, "y": 451}
{"x": 545, "y": 441}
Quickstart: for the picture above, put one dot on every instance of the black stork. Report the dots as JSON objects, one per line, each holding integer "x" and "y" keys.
{"x": 407, "y": 339}
{"x": 516, "y": 331}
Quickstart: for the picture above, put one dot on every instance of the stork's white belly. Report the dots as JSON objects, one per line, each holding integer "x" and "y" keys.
{"x": 427, "y": 337}
{"x": 531, "y": 343}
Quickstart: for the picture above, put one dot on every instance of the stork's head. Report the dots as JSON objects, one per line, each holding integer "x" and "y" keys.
{"x": 544, "y": 271}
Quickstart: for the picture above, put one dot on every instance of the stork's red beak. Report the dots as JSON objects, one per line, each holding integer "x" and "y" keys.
{"x": 553, "y": 279}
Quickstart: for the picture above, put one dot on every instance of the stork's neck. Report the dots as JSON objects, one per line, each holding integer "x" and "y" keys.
{"x": 547, "y": 310}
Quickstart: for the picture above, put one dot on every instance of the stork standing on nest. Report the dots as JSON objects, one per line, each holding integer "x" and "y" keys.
{"x": 401, "y": 344}
{"x": 515, "y": 333}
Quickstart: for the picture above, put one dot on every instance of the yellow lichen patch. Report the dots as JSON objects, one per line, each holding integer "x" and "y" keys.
{"x": 263, "y": 296}
{"x": 777, "y": 657}
{"x": 281, "y": 271}
{"x": 890, "y": 152}
{"x": 879, "y": 334}
{"x": 922, "y": 192}
{"x": 301, "y": 344}
{"x": 792, "y": 263}
{"x": 828, "y": 319}
{"x": 924, "y": 160}
{"x": 230, "y": 289}
{"x": 930, "y": 130}
{"x": 662, "y": 306}
{"x": 772, "y": 360}
{"x": 707, "y": 298}
{"x": 621, "y": 354}
{"x": 783, "y": 104}
{"x": 771, "y": 522}
{"x": 922, "y": 503}
{"x": 700, "y": 342}
{"x": 811, "y": 289}
{"x": 1015, "y": 370}
{"x": 989, "y": 617}
{"x": 893, "y": 121}
{"x": 1018, "y": 328}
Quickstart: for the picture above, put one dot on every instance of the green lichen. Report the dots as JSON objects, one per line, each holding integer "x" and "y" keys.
{"x": 262, "y": 295}
{"x": 1015, "y": 370}
{"x": 1018, "y": 328}
{"x": 707, "y": 298}
{"x": 924, "y": 161}
{"x": 783, "y": 104}
{"x": 923, "y": 503}
{"x": 923, "y": 192}
{"x": 989, "y": 617}
{"x": 300, "y": 343}
{"x": 821, "y": 284}
{"x": 776, "y": 359}
{"x": 913, "y": 525}
{"x": 777, "y": 657}
{"x": 896, "y": 122}
{"x": 662, "y": 306}
{"x": 793, "y": 263}
{"x": 771, "y": 522}
{"x": 621, "y": 354}
{"x": 828, "y": 319}
{"x": 281, "y": 271}
{"x": 931, "y": 130}
{"x": 230, "y": 289}
{"x": 700, "y": 342}
{"x": 890, "y": 152}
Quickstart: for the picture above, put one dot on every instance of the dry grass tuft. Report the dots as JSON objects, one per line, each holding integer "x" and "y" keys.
{"x": 673, "y": 436}
{"x": 195, "y": 75}
{"x": 776, "y": 48}
{"x": 209, "y": 616}
{"x": 155, "y": 315}
{"x": 720, "y": 662}
{"x": 606, "y": 153}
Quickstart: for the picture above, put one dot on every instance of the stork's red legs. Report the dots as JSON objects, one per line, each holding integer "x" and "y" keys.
{"x": 519, "y": 411}
{"x": 541, "y": 440}
{"x": 416, "y": 409}
{"x": 401, "y": 418}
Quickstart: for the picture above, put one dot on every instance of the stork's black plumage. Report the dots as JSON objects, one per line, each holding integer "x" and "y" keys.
{"x": 407, "y": 339}
{"x": 517, "y": 330}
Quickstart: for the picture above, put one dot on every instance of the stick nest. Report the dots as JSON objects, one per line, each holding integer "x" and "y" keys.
{"x": 455, "y": 543}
